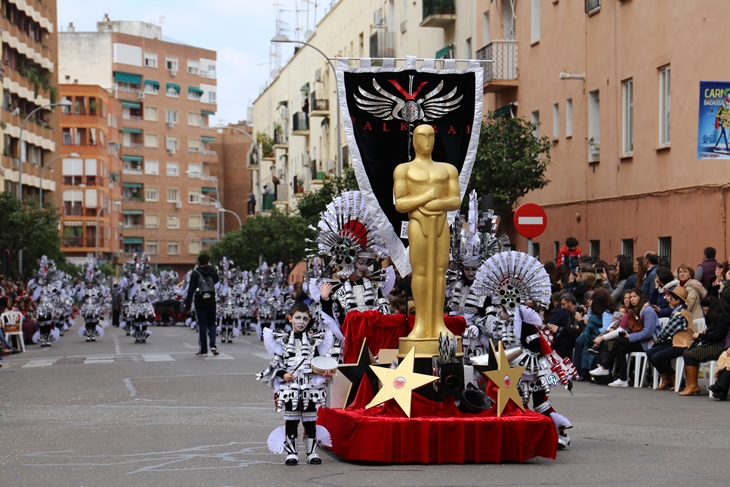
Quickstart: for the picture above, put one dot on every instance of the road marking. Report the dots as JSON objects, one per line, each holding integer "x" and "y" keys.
{"x": 158, "y": 358}
{"x": 116, "y": 345}
{"x": 132, "y": 390}
{"x": 99, "y": 360}
{"x": 262, "y": 355}
{"x": 40, "y": 363}
{"x": 529, "y": 220}
{"x": 188, "y": 345}
{"x": 221, "y": 356}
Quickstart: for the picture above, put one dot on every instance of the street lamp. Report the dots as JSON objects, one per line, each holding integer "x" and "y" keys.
{"x": 283, "y": 38}
{"x": 220, "y": 127}
{"x": 43, "y": 169}
{"x": 234, "y": 214}
{"x": 97, "y": 225}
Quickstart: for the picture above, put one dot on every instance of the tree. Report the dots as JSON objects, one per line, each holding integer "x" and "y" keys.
{"x": 510, "y": 162}
{"x": 33, "y": 229}
{"x": 313, "y": 203}
{"x": 277, "y": 237}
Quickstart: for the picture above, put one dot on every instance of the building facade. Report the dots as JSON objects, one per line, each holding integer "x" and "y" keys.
{"x": 29, "y": 79}
{"x": 88, "y": 175}
{"x": 615, "y": 85}
{"x": 298, "y": 108}
{"x": 237, "y": 162}
{"x": 167, "y": 92}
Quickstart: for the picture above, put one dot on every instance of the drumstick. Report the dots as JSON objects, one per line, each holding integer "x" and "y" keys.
{"x": 297, "y": 367}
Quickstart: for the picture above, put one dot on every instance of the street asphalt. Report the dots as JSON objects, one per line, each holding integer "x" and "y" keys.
{"x": 115, "y": 413}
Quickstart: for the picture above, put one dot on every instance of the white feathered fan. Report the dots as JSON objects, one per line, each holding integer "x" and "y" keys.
{"x": 512, "y": 279}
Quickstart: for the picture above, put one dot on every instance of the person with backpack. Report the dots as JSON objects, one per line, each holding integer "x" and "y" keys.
{"x": 202, "y": 287}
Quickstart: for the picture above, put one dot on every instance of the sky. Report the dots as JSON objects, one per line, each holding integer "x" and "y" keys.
{"x": 239, "y": 30}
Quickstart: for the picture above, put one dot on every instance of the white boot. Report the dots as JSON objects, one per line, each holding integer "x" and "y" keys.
{"x": 290, "y": 447}
{"x": 312, "y": 456}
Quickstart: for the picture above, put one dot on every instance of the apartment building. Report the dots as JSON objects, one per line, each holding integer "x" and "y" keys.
{"x": 235, "y": 170}
{"x": 298, "y": 109}
{"x": 89, "y": 176}
{"x": 615, "y": 84}
{"x": 167, "y": 92}
{"x": 29, "y": 80}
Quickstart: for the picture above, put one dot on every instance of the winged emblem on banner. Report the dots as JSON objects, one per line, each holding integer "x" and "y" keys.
{"x": 434, "y": 105}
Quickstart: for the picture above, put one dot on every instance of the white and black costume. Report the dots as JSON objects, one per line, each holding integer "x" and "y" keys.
{"x": 138, "y": 310}
{"x": 95, "y": 307}
{"x": 46, "y": 289}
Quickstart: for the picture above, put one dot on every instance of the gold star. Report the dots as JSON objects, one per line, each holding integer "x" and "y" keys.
{"x": 399, "y": 384}
{"x": 506, "y": 379}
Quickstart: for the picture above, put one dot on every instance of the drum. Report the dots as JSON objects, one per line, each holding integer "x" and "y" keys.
{"x": 320, "y": 365}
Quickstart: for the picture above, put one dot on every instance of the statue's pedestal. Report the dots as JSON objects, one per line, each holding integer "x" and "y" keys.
{"x": 425, "y": 347}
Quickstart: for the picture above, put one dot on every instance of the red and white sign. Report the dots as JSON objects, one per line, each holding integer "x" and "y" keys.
{"x": 530, "y": 220}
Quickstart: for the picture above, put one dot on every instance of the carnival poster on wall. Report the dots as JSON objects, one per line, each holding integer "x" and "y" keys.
{"x": 714, "y": 120}
{"x": 382, "y": 106}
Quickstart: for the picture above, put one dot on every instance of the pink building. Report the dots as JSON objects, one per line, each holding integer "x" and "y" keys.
{"x": 616, "y": 85}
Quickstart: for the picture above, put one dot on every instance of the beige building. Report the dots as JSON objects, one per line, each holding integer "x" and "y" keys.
{"x": 29, "y": 80}
{"x": 625, "y": 177}
{"x": 298, "y": 108}
{"x": 168, "y": 92}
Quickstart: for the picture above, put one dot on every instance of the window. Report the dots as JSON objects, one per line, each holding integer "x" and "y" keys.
{"x": 535, "y": 21}
{"x": 665, "y": 105}
{"x": 556, "y": 250}
{"x": 535, "y": 119}
{"x": 535, "y": 250}
{"x": 627, "y": 248}
{"x": 151, "y": 221}
{"x": 173, "y": 248}
{"x": 594, "y": 126}
{"x": 150, "y": 140}
{"x": 194, "y": 119}
{"x": 151, "y": 194}
{"x": 556, "y": 122}
{"x": 152, "y": 89}
{"x": 194, "y": 222}
{"x": 173, "y": 195}
{"x": 468, "y": 48}
{"x": 173, "y": 222}
{"x": 171, "y": 116}
{"x": 171, "y": 144}
{"x": 194, "y": 196}
{"x": 150, "y": 113}
{"x": 173, "y": 169}
{"x": 595, "y": 248}
{"x": 486, "y": 33}
{"x": 150, "y": 59}
{"x": 665, "y": 248}
{"x": 193, "y": 145}
{"x": 193, "y": 66}
{"x": 194, "y": 170}
{"x": 211, "y": 97}
{"x": 171, "y": 64}
{"x": 628, "y": 117}
{"x": 151, "y": 248}
{"x": 593, "y": 6}
{"x": 152, "y": 168}
{"x": 194, "y": 247}
{"x": 569, "y": 117}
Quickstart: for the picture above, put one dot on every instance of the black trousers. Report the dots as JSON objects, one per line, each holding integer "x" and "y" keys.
{"x": 621, "y": 346}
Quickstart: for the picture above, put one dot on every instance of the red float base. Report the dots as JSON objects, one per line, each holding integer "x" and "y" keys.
{"x": 436, "y": 433}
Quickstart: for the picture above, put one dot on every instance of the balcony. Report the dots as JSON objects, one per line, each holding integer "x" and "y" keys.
{"x": 300, "y": 124}
{"x": 382, "y": 44}
{"x": 501, "y": 75}
{"x": 320, "y": 106}
{"x": 438, "y": 13}
{"x": 280, "y": 139}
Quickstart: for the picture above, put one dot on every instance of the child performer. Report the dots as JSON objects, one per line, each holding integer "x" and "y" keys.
{"x": 298, "y": 391}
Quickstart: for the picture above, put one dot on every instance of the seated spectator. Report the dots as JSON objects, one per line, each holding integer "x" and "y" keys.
{"x": 664, "y": 279}
{"x": 579, "y": 283}
{"x": 604, "y": 342}
{"x": 623, "y": 269}
{"x": 565, "y": 323}
{"x": 705, "y": 272}
{"x": 551, "y": 270}
{"x": 708, "y": 344}
{"x": 663, "y": 352}
{"x": 30, "y": 325}
{"x": 638, "y": 341}
{"x": 635, "y": 280}
{"x": 695, "y": 290}
{"x": 561, "y": 276}
{"x": 600, "y": 316}
{"x": 722, "y": 275}
{"x": 570, "y": 254}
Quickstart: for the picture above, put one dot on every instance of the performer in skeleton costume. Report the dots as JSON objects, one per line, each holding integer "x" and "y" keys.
{"x": 45, "y": 289}
{"x": 138, "y": 311}
{"x": 268, "y": 300}
{"x": 247, "y": 302}
{"x": 227, "y": 296}
{"x": 298, "y": 390}
{"x": 95, "y": 305}
{"x": 349, "y": 241}
{"x": 167, "y": 306}
{"x": 515, "y": 281}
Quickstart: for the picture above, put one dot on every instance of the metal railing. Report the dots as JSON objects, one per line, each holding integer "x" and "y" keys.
{"x": 432, "y": 7}
{"x": 504, "y": 55}
{"x": 300, "y": 121}
{"x": 319, "y": 104}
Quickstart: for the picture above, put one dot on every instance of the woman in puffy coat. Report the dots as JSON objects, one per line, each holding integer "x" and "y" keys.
{"x": 695, "y": 290}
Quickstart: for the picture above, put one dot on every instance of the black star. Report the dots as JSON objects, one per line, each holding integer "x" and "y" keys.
{"x": 355, "y": 372}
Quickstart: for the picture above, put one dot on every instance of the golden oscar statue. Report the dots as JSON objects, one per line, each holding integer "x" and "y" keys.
{"x": 427, "y": 190}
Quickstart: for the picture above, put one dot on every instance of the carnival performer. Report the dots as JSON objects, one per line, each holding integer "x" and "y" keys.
{"x": 515, "y": 280}
{"x": 349, "y": 241}
{"x": 227, "y": 295}
{"x": 93, "y": 293}
{"x": 247, "y": 302}
{"x": 182, "y": 294}
{"x": 45, "y": 289}
{"x": 167, "y": 305}
{"x": 268, "y": 301}
{"x": 138, "y": 310}
{"x": 298, "y": 390}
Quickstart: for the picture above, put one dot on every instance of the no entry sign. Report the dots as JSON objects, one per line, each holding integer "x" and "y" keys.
{"x": 530, "y": 220}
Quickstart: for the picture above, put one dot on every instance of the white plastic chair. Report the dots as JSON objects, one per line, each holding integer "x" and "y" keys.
{"x": 699, "y": 325}
{"x": 655, "y": 374}
{"x": 708, "y": 371}
{"x": 640, "y": 363}
{"x": 12, "y": 318}
{"x": 678, "y": 372}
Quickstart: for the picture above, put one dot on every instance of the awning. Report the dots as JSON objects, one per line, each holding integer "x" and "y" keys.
{"x": 444, "y": 52}
{"x": 131, "y": 130}
{"x": 209, "y": 240}
{"x": 133, "y": 240}
{"x": 210, "y": 215}
{"x": 132, "y": 158}
{"x": 130, "y": 78}
{"x": 208, "y": 190}
{"x": 206, "y": 112}
{"x": 195, "y": 89}
{"x": 209, "y": 140}
{"x": 325, "y": 121}
{"x": 305, "y": 89}
{"x": 174, "y": 87}
{"x": 505, "y": 111}
{"x": 152, "y": 82}
{"x": 132, "y": 185}
{"x": 133, "y": 212}
{"x": 131, "y": 104}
